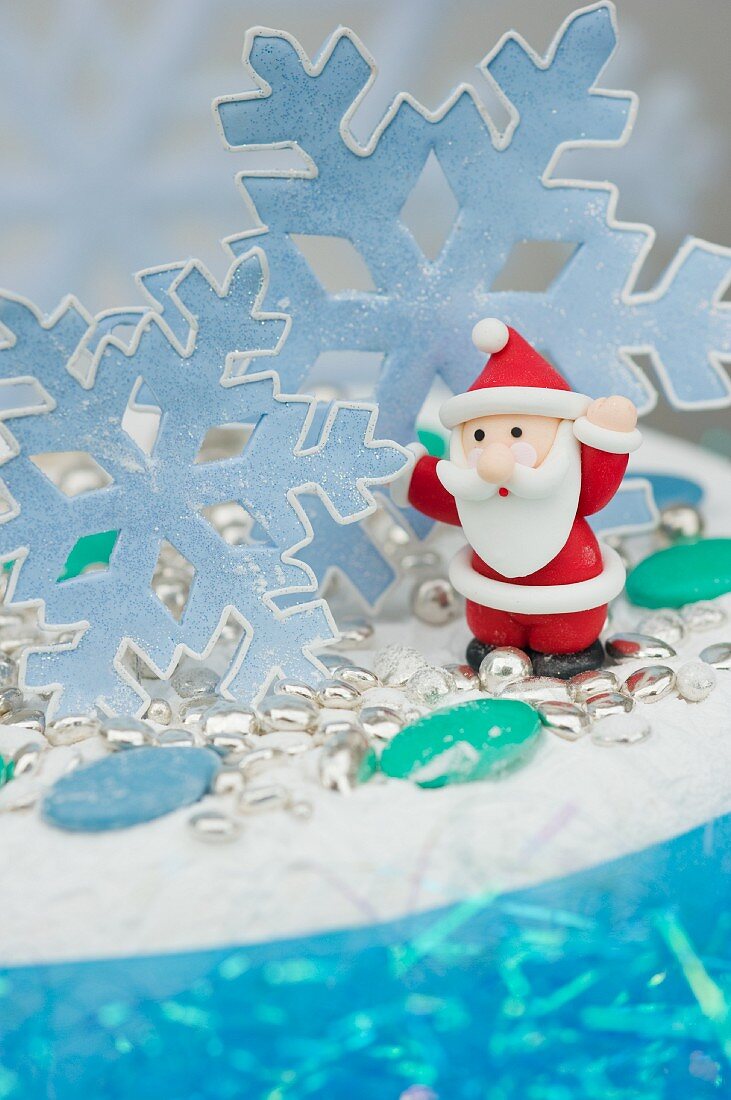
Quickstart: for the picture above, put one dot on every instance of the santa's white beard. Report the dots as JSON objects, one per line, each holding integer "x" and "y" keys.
{"x": 520, "y": 533}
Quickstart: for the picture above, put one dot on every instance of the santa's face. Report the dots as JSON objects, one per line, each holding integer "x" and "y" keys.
{"x": 529, "y": 440}
{"x": 516, "y": 509}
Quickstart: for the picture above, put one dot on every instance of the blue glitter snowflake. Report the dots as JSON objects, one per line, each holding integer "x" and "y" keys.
{"x": 420, "y": 310}
{"x": 81, "y": 389}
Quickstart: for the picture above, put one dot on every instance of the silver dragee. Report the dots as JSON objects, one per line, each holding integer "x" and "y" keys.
{"x": 8, "y": 672}
{"x": 681, "y": 521}
{"x": 381, "y": 722}
{"x": 30, "y": 719}
{"x": 226, "y": 741}
{"x": 359, "y": 677}
{"x": 637, "y": 647}
{"x": 428, "y": 686}
{"x": 26, "y": 759}
{"x": 567, "y": 720}
{"x": 537, "y": 689}
{"x": 72, "y": 728}
{"x": 257, "y": 760}
{"x": 595, "y": 682}
{"x": 342, "y": 759}
{"x": 177, "y": 737}
{"x": 264, "y": 799}
{"x": 666, "y": 625}
{"x": 620, "y": 729}
{"x": 434, "y": 601}
{"x": 229, "y": 717}
{"x": 289, "y": 742}
{"x": 354, "y": 633}
{"x": 10, "y": 700}
{"x": 295, "y": 689}
{"x": 190, "y": 681}
{"x": 718, "y": 655}
{"x": 228, "y": 780}
{"x": 703, "y": 615}
{"x": 608, "y": 702}
{"x": 286, "y": 713}
{"x": 418, "y": 563}
{"x": 339, "y": 695}
{"x": 502, "y": 666}
{"x": 159, "y": 711}
{"x": 464, "y": 676}
{"x": 650, "y": 684}
{"x": 213, "y": 826}
{"x": 126, "y": 733}
{"x": 695, "y": 680}
{"x": 395, "y": 664}
{"x": 193, "y": 711}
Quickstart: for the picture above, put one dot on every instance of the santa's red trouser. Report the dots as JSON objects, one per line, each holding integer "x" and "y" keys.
{"x": 560, "y": 633}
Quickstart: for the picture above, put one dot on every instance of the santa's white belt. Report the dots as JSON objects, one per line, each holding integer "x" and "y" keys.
{"x": 538, "y": 599}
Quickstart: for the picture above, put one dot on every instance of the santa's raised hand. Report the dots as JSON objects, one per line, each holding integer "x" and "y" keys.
{"x": 529, "y": 459}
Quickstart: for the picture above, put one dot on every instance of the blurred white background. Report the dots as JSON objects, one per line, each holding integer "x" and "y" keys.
{"x": 111, "y": 161}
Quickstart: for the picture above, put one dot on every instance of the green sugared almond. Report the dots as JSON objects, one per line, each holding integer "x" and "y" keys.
{"x": 682, "y": 574}
{"x": 476, "y": 740}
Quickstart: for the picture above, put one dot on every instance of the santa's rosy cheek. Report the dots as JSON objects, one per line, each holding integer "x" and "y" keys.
{"x": 474, "y": 457}
{"x": 524, "y": 454}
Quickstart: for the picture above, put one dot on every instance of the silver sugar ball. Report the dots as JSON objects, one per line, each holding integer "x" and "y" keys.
{"x": 434, "y": 601}
{"x": 681, "y": 521}
{"x": 695, "y": 680}
{"x": 159, "y": 711}
{"x": 72, "y": 728}
{"x": 502, "y": 666}
{"x": 338, "y": 694}
{"x": 608, "y": 702}
{"x": 345, "y": 761}
{"x": 192, "y": 680}
{"x": 428, "y": 686}
{"x": 666, "y": 625}
{"x": 396, "y": 664}
{"x": 718, "y": 655}
{"x": 703, "y": 615}
{"x": 213, "y": 826}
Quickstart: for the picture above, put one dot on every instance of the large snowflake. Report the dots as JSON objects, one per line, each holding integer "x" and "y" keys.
{"x": 160, "y": 488}
{"x": 505, "y": 191}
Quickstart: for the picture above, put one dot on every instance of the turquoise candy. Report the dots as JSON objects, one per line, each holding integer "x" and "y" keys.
{"x": 682, "y": 574}
{"x": 480, "y": 738}
{"x": 129, "y": 787}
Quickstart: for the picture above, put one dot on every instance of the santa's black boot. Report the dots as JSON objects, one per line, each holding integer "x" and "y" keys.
{"x": 476, "y": 652}
{"x": 566, "y": 665}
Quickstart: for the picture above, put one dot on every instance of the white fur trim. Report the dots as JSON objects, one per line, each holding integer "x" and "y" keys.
{"x": 531, "y": 400}
{"x": 400, "y": 486}
{"x": 490, "y": 335}
{"x": 606, "y": 439}
{"x": 538, "y": 599}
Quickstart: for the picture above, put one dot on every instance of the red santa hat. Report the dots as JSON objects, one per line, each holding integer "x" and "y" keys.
{"x": 515, "y": 379}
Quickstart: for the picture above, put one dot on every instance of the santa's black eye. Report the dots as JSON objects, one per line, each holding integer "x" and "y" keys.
{"x": 479, "y": 435}
{"x": 516, "y": 432}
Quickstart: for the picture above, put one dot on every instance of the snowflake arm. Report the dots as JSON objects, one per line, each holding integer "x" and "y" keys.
{"x": 162, "y": 493}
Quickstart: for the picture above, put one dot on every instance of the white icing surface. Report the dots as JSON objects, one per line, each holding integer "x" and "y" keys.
{"x": 388, "y": 849}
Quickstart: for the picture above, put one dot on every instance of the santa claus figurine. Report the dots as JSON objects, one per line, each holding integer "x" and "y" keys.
{"x": 529, "y": 460}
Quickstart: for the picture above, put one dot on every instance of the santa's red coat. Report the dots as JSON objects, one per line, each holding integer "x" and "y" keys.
{"x": 580, "y": 559}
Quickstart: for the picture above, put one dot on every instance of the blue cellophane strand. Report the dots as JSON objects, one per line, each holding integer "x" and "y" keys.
{"x": 589, "y": 321}
{"x": 82, "y": 387}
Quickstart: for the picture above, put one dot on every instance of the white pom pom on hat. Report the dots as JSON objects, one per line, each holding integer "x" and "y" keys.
{"x": 490, "y": 335}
